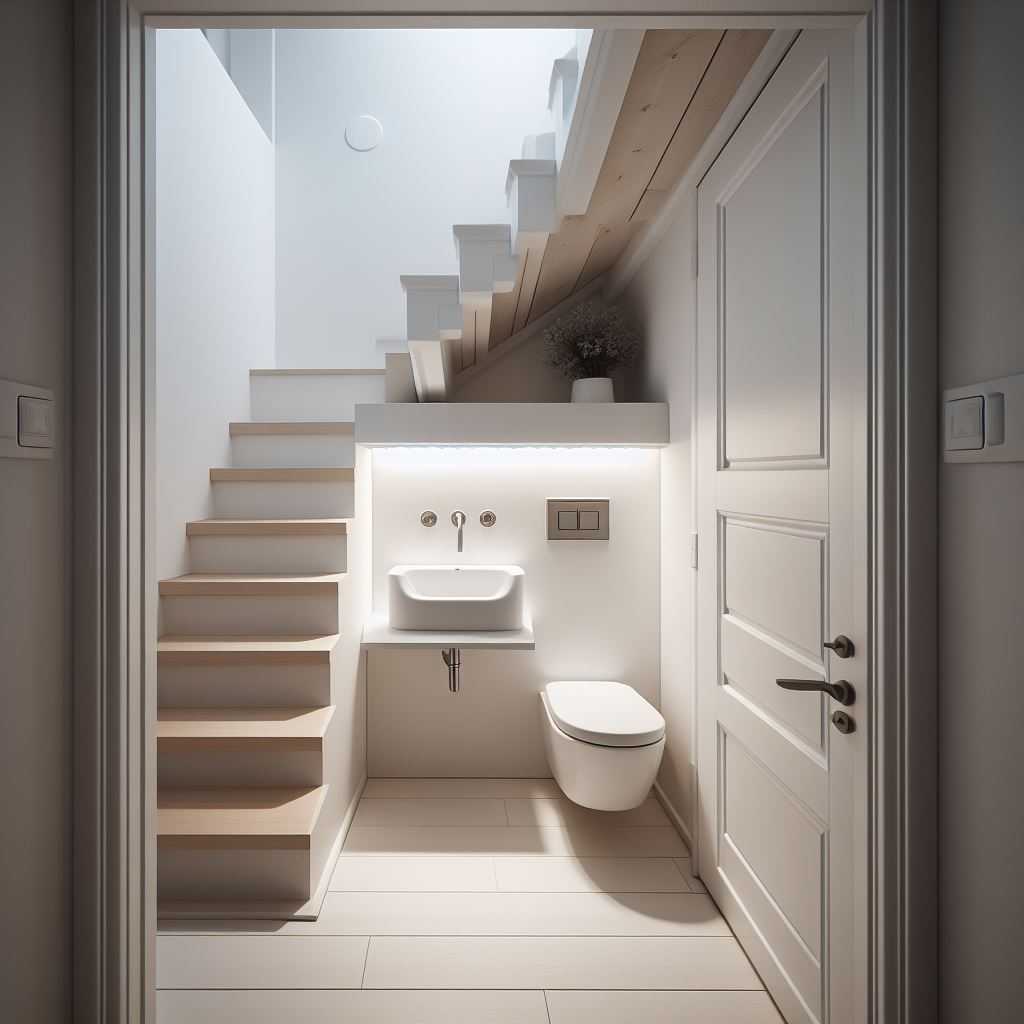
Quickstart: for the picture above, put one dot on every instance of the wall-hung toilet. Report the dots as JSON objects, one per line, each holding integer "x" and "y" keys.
{"x": 603, "y": 742}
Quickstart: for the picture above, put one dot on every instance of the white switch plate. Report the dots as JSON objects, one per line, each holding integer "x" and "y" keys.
{"x": 28, "y": 429}
{"x": 1000, "y": 403}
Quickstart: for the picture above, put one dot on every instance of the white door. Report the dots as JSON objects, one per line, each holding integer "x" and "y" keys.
{"x": 782, "y": 496}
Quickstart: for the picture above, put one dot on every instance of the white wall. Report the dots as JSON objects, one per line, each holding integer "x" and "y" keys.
{"x": 594, "y": 604}
{"x": 981, "y": 516}
{"x": 663, "y": 299}
{"x": 455, "y": 105}
{"x": 214, "y": 276}
{"x": 35, "y": 516}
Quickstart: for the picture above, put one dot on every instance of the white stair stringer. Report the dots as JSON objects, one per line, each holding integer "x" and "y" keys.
{"x": 434, "y": 322}
{"x": 486, "y": 266}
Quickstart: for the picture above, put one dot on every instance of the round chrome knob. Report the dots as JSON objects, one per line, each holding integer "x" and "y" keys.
{"x": 488, "y": 518}
{"x": 429, "y": 519}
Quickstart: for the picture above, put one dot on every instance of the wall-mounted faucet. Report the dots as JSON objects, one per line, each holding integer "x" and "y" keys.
{"x": 459, "y": 521}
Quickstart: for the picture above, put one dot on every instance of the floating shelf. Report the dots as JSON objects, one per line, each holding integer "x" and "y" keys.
{"x": 377, "y": 633}
{"x": 533, "y": 424}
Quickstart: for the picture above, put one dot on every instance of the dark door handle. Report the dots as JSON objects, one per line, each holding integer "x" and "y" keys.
{"x": 841, "y": 647}
{"x": 841, "y": 691}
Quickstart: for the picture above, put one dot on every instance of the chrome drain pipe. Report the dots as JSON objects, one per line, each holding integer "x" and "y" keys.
{"x": 452, "y": 657}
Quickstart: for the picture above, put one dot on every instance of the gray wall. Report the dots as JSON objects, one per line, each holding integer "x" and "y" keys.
{"x": 35, "y": 917}
{"x": 981, "y": 309}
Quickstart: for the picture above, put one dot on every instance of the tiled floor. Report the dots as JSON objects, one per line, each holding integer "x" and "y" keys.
{"x": 469, "y": 901}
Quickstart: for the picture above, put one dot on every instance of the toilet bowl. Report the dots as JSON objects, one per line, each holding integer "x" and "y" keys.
{"x": 603, "y": 743}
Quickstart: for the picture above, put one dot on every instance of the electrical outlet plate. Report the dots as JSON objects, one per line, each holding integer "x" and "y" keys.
{"x": 578, "y": 518}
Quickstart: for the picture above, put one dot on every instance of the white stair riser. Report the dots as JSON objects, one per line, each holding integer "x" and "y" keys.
{"x": 246, "y": 874}
{"x": 255, "y": 767}
{"x": 306, "y": 397}
{"x": 299, "y": 500}
{"x": 204, "y": 616}
{"x": 299, "y": 450}
{"x": 300, "y": 556}
{"x": 244, "y": 686}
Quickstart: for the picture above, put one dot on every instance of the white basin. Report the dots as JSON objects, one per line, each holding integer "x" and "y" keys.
{"x": 455, "y": 597}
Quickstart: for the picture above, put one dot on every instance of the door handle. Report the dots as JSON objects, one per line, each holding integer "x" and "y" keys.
{"x": 841, "y": 691}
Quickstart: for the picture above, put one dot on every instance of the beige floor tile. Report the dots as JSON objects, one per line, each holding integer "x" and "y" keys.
{"x": 685, "y": 866}
{"x": 418, "y": 874}
{"x": 351, "y": 1007}
{"x": 662, "y": 1008}
{"x": 619, "y": 963}
{"x": 433, "y": 788}
{"x": 443, "y": 812}
{"x": 575, "y": 842}
{"x": 259, "y": 961}
{"x": 516, "y": 913}
{"x": 588, "y": 874}
{"x": 565, "y": 814}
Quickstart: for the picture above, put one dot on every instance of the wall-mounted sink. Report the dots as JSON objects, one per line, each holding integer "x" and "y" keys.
{"x": 455, "y": 597}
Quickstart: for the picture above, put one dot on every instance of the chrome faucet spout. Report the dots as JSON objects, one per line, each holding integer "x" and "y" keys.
{"x": 459, "y": 521}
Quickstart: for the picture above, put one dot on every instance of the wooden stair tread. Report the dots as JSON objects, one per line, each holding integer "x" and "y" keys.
{"x": 184, "y": 650}
{"x": 289, "y": 427}
{"x": 269, "y": 817}
{"x": 281, "y": 474}
{"x": 242, "y": 723}
{"x": 266, "y": 527}
{"x": 246, "y": 585}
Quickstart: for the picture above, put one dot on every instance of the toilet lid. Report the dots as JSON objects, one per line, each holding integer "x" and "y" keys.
{"x": 608, "y": 714}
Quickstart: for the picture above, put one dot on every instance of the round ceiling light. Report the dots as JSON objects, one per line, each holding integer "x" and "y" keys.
{"x": 364, "y": 133}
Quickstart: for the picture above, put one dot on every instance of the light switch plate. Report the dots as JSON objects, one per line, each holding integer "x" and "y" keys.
{"x": 965, "y": 424}
{"x": 589, "y": 518}
{"x": 28, "y": 421}
{"x": 999, "y": 436}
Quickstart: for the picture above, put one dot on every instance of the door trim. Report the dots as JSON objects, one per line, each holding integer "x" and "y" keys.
{"x": 114, "y": 623}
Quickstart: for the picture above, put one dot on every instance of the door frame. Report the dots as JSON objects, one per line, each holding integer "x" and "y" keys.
{"x": 114, "y": 615}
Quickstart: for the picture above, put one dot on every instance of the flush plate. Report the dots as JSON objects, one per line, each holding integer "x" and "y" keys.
{"x": 578, "y": 518}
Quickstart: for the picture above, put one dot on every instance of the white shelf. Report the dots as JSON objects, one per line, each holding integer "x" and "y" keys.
{"x": 534, "y": 424}
{"x": 377, "y": 633}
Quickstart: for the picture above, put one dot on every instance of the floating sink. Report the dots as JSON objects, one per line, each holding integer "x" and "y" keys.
{"x": 455, "y": 597}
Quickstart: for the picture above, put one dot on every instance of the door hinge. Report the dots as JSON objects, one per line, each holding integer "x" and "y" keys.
{"x": 693, "y": 550}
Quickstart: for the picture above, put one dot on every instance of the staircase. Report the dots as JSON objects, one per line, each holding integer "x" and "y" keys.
{"x": 258, "y": 655}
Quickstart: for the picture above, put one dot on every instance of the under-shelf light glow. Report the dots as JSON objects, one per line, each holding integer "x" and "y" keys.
{"x": 513, "y": 456}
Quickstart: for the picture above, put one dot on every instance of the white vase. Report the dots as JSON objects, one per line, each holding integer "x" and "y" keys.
{"x": 593, "y": 389}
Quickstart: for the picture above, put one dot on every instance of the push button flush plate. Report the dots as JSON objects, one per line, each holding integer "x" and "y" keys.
{"x": 578, "y": 518}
